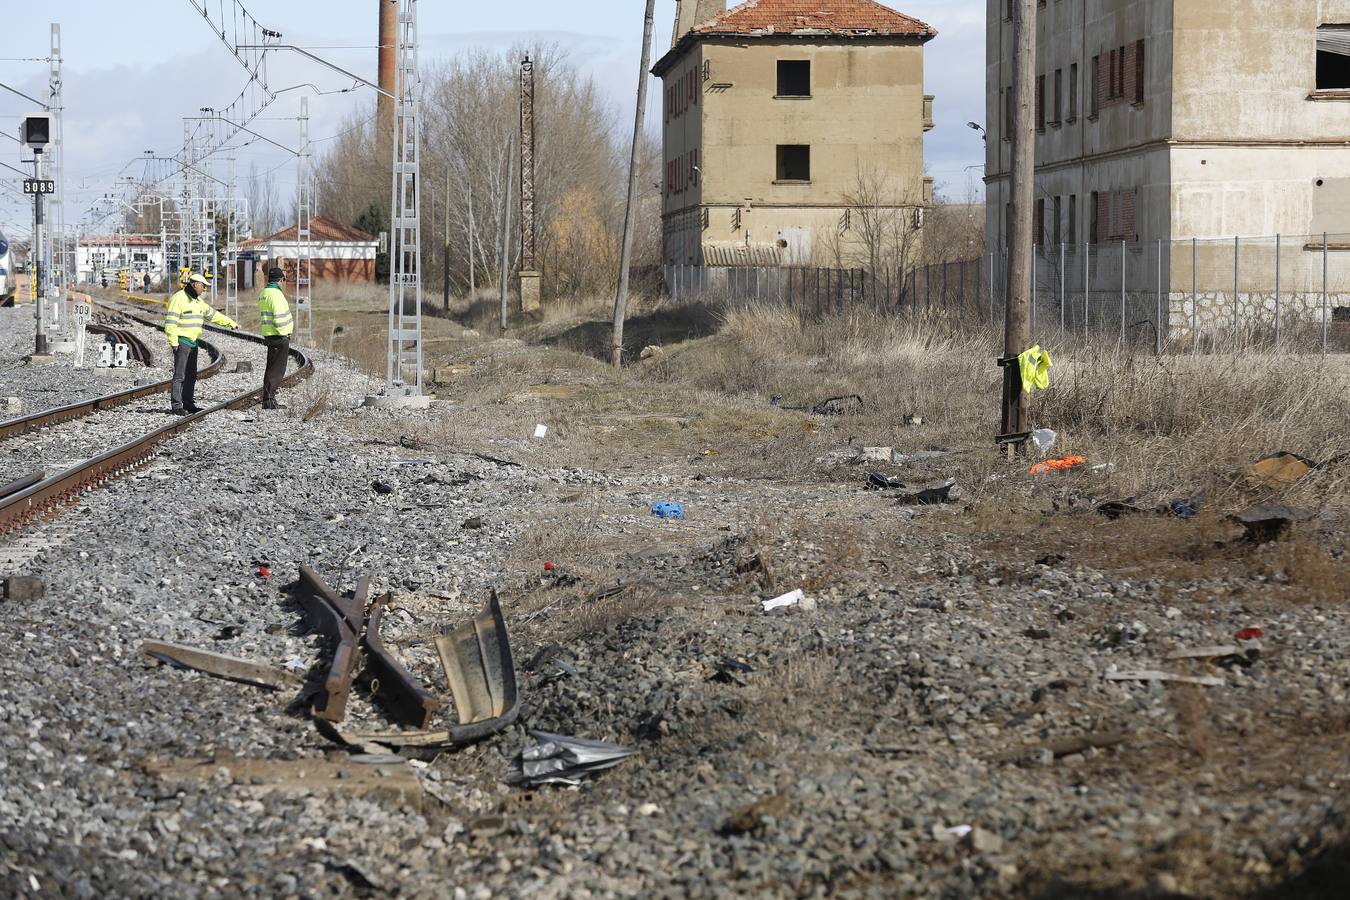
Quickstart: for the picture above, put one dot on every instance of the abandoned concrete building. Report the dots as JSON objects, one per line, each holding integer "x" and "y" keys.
{"x": 776, "y": 113}
{"x": 1178, "y": 120}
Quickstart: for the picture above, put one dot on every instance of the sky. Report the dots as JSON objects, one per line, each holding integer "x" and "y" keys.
{"x": 130, "y": 78}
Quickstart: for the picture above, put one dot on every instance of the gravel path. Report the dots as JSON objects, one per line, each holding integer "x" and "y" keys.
{"x": 867, "y": 729}
{"x": 39, "y": 388}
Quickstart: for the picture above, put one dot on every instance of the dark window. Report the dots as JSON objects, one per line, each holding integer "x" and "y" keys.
{"x": 1059, "y": 97}
{"x": 1038, "y": 229}
{"x": 1040, "y": 102}
{"x": 1333, "y": 58}
{"x": 1093, "y": 224}
{"x": 1008, "y": 117}
{"x": 1057, "y": 227}
{"x": 794, "y": 78}
{"x": 1073, "y": 92}
{"x": 1120, "y": 73}
{"x": 1073, "y": 219}
{"x": 1139, "y": 71}
{"x": 794, "y": 162}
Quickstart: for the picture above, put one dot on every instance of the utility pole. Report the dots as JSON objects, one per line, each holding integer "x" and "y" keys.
{"x": 473, "y": 242}
{"x": 1017, "y": 328}
{"x": 506, "y": 236}
{"x": 529, "y": 265}
{"x": 630, "y": 212}
{"x": 445, "y": 261}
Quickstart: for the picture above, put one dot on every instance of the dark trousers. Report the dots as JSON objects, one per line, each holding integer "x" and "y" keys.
{"x": 278, "y": 350}
{"x": 184, "y": 377}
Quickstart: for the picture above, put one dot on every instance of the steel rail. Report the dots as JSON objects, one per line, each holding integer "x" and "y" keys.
{"x": 35, "y": 421}
{"x": 63, "y": 488}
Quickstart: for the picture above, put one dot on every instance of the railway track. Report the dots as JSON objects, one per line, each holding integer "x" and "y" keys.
{"x": 31, "y": 498}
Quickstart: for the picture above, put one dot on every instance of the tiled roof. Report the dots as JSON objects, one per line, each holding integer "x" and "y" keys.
{"x": 803, "y": 19}
{"x": 320, "y": 229}
{"x": 833, "y": 17}
{"x": 115, "y": 240}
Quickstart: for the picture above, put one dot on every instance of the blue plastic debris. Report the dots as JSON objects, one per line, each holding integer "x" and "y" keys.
{"x": 668, "y": 509}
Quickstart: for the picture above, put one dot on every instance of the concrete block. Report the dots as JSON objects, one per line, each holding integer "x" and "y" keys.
{"x": 24, "y": 587}
{"x": 529, "y": 291}
{"x": 43, "y": 359}
{"x": 242, "y": 368}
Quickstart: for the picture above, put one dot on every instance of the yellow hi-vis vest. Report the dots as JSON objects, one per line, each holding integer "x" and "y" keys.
{"x": 186, "y": 317}
{"x": 275, "y": 312}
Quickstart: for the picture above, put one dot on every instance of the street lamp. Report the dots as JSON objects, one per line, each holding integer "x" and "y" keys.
{"x": 984, "y": 136}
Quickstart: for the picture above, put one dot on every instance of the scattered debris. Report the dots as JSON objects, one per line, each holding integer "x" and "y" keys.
{"x": 905, "y": 459}
{"x": 838, "y": 406}
{"x": 791, "y": 598}
{"x": 753, "y": 816}
{"x": 1114, "y": 509}
{"x": 1043, "y": 439}
{"x": 1249, "y": 634}
{"x": 382, "y": 487}
{"x": 943, "y": 492}
{"x": 1187, "y": 508}
{"x": 243, "y": 367}
{"x": 360, "y": 877}
{"x": 652, "y": 353}
{"x": 482, "y": 674}
{"x": 982, "y": 841}
{"x": 1065, "y": 746}
{"x": 1037, "y": 634}
{"x": 340, "y": 619}
{"x": 730, "y": 670}
{"x": 473, "y": 523}
{"x": 1058, "y": 465}
{"x": 668, "y": 509}
{"x": 913, "y": 419}
{"x": 1204, "y": 652}
{"x": 1156, "y": 675}
{"x": 1279, "y": 469}
{"x": 24, "y": 588}
{"x": 558, "y": 759}
{"x": 393, "y": 781}
{"x": 541, "y": 431}
{"x": 228, "y": 633}
{"x": 231, "y": 668}
{"x": 1263, "y": 524}
{"x": 878, "y": 454}
{"x": 879, "y": 481}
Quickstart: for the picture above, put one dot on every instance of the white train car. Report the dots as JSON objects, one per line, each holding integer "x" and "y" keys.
{"x": 6, "y": 270}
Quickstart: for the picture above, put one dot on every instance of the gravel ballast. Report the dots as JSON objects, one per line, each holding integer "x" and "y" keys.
{"x": 928, "y": 686}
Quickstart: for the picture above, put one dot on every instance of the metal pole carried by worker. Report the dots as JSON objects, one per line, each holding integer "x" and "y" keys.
{"x": 184, "y": 320}
{"x": 277, "y": 327}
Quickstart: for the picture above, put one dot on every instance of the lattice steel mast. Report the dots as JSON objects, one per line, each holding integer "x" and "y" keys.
{"x": 404, "y": 362}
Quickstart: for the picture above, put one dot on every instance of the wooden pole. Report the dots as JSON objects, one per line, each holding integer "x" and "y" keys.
{"x": 630, "y": 212}
{"x": 505, "y": 286}
{"x": 1017, "y": 326}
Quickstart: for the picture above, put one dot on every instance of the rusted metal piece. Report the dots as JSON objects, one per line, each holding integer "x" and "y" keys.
{"x": 342, "y": 620}
{"x": 482, "y": 674}
{"x": 23, "y": 483}
{"x": 396, "y": 687}
{"x": 230, "y": 668}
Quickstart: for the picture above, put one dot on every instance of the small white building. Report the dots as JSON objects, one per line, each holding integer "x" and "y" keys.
{"x": 100, "y": 256}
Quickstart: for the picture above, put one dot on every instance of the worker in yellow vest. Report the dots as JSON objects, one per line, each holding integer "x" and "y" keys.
{"x": 277, "y": 327}
{"x": 186, "y": 316}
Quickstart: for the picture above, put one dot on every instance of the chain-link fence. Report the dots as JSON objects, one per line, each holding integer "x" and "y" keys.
{"x": 1283, "y": 292}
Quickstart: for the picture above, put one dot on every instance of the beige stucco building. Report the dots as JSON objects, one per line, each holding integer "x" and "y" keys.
{"x": 777, "y": 115}
{"x": 1175, "y": 120}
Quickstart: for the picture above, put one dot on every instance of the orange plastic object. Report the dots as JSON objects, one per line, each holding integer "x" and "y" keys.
{"x": 1057, "y": 465}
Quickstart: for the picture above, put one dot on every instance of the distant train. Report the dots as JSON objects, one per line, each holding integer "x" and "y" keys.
{"x": 6, "y": 270}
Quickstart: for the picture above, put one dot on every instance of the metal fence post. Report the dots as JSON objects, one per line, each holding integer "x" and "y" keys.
{"x": 1122, "y": 293}
{"x": 1325, "y": 295}
{"x": 1237, "y": 266}
{"x": 1195, "y": 300}
{"x": 1087, "y": 285}
{"x": 1277, "y": 293}
{"x": 1062, "y": 295}
{"x": 1158, "y": 323}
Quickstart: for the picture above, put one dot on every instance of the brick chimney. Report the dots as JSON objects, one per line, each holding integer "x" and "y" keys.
{"x": 689, "y": 13}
